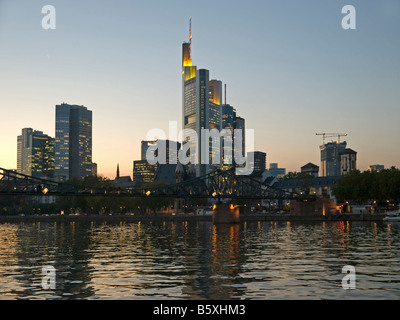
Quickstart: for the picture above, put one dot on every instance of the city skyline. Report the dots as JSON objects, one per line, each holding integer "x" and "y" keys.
{"x": 338, "y": 80}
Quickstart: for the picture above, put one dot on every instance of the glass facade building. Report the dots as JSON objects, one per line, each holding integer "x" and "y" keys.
{"x": 35, "y": 154}
{"x": 143, "y": 171}
{"x": 202, "y": 108}
{"x": 73, "y": 142}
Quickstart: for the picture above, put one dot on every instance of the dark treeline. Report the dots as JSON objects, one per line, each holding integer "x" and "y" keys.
{"x": 361, "y": 187}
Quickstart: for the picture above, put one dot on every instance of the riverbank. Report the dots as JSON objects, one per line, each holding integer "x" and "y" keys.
{"x": 179, "y": 218}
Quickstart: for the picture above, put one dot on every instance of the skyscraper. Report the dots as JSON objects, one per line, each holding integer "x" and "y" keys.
{"x": 203, "y": 109}
{"x": 35, "y": 154}
{"x": 73, "y": 145}
{"x": 195, "y": 96}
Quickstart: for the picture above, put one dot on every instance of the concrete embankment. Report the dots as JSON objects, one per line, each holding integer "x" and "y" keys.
{"x": 180, "y": 218}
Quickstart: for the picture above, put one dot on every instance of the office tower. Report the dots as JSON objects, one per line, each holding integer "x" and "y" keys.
{"x": 35, "y": 154}
{"x": 215, "y": 122}
{"x": 275, "y": 171}
{"x": 73, "y": 146}
{"x": 348, "y": 161}
{"x": 330, "y": 158}
{"x": 310, "y": 169}
{"x": 203, "y": 108}
{"x": 258, "y": 164}
{"x": 195, "y": 100}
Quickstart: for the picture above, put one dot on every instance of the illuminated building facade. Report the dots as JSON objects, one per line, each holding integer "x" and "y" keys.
{"x": 144, "y": 172}
{"x": 73, "y": 144}
{"x": 35, "y": 154}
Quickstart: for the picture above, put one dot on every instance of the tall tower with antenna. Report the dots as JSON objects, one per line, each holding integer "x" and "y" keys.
{"x": 203, "y": 108}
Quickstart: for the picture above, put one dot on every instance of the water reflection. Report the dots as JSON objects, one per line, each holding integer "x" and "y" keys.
{"x": 199, "y": 260}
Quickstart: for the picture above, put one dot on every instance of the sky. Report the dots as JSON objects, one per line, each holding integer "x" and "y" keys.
{"x": 291, "y": 71}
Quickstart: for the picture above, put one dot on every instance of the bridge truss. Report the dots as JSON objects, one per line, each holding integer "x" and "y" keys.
{"x": 220, "y": 184}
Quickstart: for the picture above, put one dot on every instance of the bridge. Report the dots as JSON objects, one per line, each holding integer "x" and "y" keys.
{"x": 219, "y": 184}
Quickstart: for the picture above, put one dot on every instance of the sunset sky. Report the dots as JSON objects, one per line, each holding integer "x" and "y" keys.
{"x": 291, "y": 71}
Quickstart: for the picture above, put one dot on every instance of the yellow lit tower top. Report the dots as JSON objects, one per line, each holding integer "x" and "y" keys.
{"x": 186, "y": 56}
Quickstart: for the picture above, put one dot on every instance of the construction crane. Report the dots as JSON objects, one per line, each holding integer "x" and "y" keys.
{"x": 331, "y": 135}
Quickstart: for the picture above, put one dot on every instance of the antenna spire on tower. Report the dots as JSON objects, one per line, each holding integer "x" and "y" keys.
{"x": 190, "y": 30}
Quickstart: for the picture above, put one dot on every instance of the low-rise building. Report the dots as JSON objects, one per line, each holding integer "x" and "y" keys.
{"x": 311, "y": 169}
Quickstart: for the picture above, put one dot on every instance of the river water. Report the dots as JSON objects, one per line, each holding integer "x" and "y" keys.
{"x": 197, "y": 260}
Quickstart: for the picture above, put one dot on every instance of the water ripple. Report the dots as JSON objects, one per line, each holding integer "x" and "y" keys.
{"x": 197, "y": 260}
